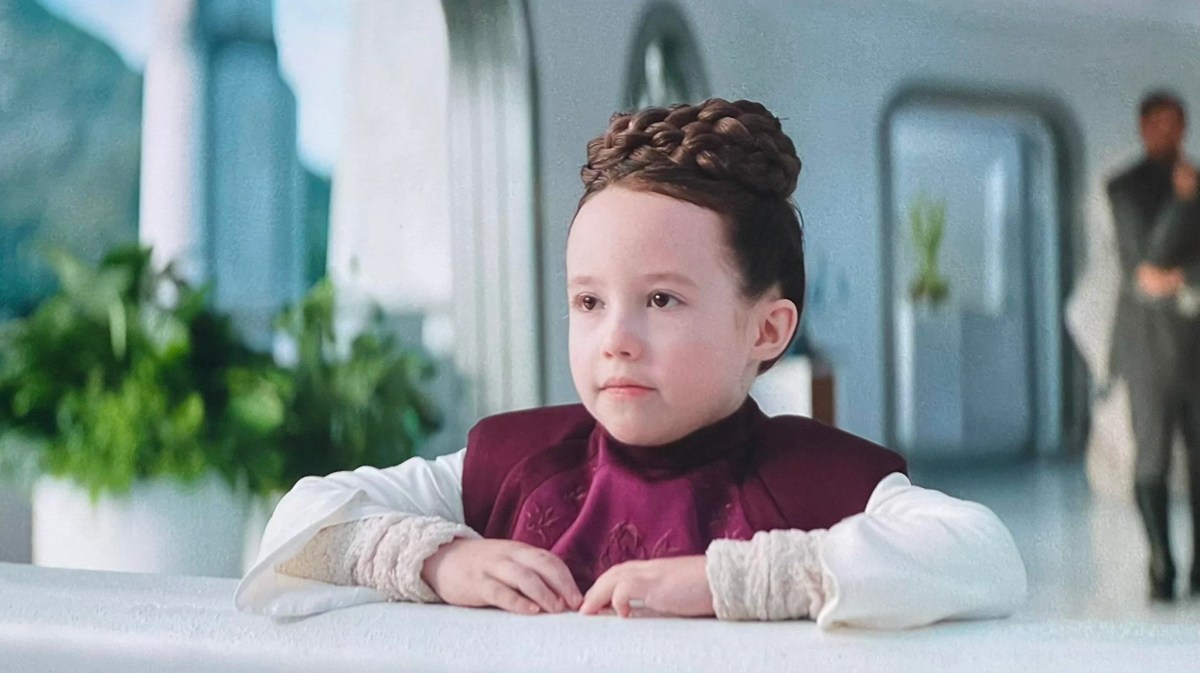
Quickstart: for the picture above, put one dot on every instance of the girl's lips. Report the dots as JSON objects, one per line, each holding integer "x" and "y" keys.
{"x": 627, "y": 390}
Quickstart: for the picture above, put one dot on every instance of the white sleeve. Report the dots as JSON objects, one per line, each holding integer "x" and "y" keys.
{"x": 915, "y": 556}
{"x": 417, "y": 486}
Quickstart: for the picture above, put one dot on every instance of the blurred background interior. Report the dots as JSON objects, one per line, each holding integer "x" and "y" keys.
{"x": 422, "y": 157}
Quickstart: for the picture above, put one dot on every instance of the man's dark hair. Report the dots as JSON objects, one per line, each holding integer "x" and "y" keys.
{"x": 1156, "y": 100}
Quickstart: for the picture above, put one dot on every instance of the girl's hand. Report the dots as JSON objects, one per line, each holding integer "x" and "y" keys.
{"x": 675, "y": 587}
{"x": 510, "y": 575}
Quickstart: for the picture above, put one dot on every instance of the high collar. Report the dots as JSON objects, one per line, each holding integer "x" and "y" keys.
{"x": 726, "y": 438}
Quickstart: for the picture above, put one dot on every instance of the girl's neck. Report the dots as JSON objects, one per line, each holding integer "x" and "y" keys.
{"x": 700, "y": 446}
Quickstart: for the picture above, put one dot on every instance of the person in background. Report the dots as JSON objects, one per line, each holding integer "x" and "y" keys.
{"x": 1156, "y": 336}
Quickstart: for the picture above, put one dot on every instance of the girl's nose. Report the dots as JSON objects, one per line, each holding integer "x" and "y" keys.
{"x": 623, "y": 339}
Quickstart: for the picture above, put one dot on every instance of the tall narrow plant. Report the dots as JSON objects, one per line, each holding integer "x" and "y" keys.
{"x": 927, "y": 221}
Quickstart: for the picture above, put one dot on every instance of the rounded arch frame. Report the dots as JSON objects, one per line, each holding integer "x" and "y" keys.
{"x": 664, "y": 23}
{"x": 1068, "y": 146}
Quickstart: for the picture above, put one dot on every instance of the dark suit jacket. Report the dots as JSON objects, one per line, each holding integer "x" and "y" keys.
{"x": 1151, "y": 340}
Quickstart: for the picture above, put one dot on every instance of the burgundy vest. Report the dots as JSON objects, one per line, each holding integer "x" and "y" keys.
{"x": 554, "y": 478}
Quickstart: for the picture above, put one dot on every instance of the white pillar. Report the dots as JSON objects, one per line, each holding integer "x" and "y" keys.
{"x": 389, "y": 226}
{"x": 171, "y": 216}
{"x": 389, "y": 238}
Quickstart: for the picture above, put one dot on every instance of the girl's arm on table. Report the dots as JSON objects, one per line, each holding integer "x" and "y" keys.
{"x": 915, "y": 556}
{"x": 356, "y": 537}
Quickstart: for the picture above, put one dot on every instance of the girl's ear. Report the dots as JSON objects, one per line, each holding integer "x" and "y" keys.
{"x": 776, "y": 321}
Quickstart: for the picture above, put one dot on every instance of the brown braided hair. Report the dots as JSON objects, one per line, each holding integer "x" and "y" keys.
{"x": 731, "y": 158}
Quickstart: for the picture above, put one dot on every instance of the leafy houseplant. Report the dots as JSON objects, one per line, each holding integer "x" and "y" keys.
{"x": 363, "y": 407}
{"x": 927, "y": 220}
{"x": 125, "y": 377}
{"x": 125, "y": 374}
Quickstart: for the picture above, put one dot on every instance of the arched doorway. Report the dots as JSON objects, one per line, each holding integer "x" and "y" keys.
{"x": 977, "y": 258}
{"x": 664, "y": 64}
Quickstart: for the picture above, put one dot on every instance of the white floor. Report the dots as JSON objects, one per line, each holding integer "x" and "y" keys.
{"x": 1086, "y": 556}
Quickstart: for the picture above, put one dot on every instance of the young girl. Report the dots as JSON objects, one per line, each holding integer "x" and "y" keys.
{"x": 666, "y": 491}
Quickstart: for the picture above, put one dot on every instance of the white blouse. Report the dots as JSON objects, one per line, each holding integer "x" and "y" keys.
{"x": 913, "y": 557}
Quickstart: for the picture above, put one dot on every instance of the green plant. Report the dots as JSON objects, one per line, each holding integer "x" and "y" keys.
{"x": 927, "y": 219}
{"x": 124, "y": 373}
{"x": 361, "y": 407}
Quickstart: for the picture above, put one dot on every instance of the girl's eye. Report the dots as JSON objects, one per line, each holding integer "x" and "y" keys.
{"x": 587, "y": 302}
{"x": 662, "y": 299}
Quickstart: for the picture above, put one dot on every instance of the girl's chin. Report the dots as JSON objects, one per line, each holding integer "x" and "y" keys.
{"x": 637, "y": 422}
{"x": 629, "y": 431}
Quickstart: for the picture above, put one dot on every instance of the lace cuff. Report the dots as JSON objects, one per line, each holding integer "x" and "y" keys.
{"x": 774, "y": 575}
{"x": 385, "y": 553}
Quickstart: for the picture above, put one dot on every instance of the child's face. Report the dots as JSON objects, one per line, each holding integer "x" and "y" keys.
{"x": 661, "y": 340}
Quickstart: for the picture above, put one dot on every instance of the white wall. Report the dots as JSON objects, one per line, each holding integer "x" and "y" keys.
{"x": 830, "y": 70}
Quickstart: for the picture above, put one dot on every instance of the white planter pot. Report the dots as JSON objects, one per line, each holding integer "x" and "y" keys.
{"x": 14, "y": 523}
{"x": 161, "y": 526}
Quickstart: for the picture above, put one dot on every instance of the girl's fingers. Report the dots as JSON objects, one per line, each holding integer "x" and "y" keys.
{"x": 622, "y": 598}
{"x": 555, "y": 574}
{"x": 529, "y": 583}
{"x": 506, "y": 598}
{"x": 600, "y": 595}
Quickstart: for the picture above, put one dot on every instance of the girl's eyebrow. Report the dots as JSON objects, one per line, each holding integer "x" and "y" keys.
{"x": 670, "y": 276}
{"x": 663, "y": 276}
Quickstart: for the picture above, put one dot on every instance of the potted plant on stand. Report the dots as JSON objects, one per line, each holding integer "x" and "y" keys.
{"x": 149, "y": 429}
{"x": 143, "y": 418}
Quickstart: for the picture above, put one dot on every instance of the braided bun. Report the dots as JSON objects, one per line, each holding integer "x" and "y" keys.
{"x": 739, "y": 142}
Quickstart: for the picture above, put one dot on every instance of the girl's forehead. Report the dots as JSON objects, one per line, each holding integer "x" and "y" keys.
{"x": 620, "y": 228}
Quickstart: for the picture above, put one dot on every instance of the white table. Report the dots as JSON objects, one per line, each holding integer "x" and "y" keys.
{"x": 73, "y": 620}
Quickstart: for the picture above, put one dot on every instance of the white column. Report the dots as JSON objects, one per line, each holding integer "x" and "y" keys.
{"x": 494, "y": 210}
{"x": 389, "y": 238}
{"x": 171, "y": 203}
{"x": 432, "y": 205}
{"x": 390, "y": 227}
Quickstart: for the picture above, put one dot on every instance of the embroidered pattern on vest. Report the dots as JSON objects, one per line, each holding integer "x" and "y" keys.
{"x": 538, "y": 520}
{"x": 625, "y": 544}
